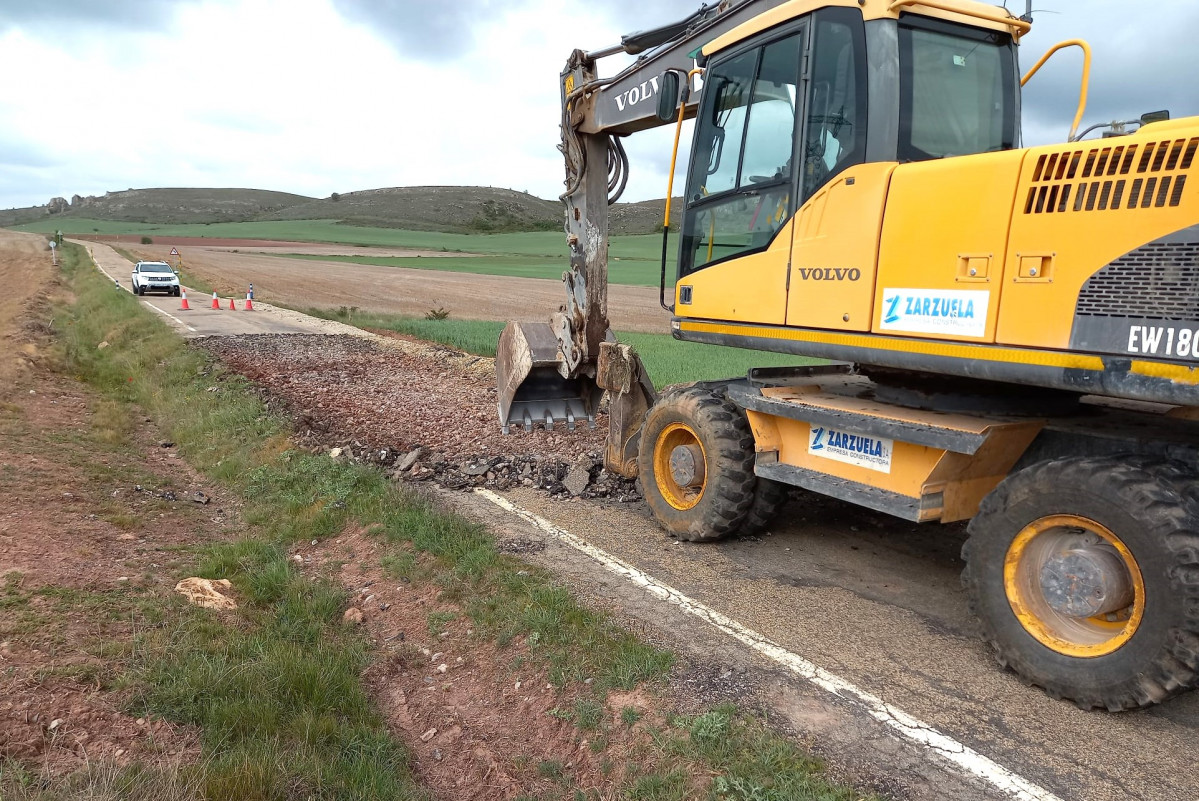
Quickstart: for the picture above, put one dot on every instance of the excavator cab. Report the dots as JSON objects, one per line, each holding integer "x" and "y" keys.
{"x": 1013, "y": 331}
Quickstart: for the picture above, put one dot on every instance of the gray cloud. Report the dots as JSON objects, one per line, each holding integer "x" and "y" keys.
{"x": 1142, "y": 62}
{"x": 429, "y": 31}
{"x": 47, "y": 17}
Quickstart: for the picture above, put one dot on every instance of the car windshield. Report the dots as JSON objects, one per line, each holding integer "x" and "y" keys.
{"x": 158, "y": 267}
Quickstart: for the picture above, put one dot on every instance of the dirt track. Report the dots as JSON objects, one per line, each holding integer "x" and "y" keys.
{"x": 330, "y": 284}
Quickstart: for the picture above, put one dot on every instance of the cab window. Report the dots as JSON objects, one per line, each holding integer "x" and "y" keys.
{"x": 835, "y": 133}
{"x": 957, "y": 90}
{"x": 740, "y": 187}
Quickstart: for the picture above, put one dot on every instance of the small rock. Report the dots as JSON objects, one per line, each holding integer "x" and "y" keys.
{"x": 353, "y": 615}
{"x": 298, "y": 558}
{"x": 437, "y": 657}
{"x": 406, "y": 461}
{"x": 166, "y": 444}
{"x": 429, "y": 735}
{"x": 336, "y": 453}
{"x": 122, "y": 578}
{"x": 102, "y": 345}
{"x": 476, "y": 469}
{"x": 516, "y": 686}
{"x": 313, "y": 542}
{"x": 201, "y": 498}
{"x": 577, "y": 480}
{"x": 437, "y": 754}
{"x": 54, "y": 724}
{"x": 442, "y": 668}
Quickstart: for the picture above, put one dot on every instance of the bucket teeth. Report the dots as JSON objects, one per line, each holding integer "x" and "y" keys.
{"x": 530, "y": 385}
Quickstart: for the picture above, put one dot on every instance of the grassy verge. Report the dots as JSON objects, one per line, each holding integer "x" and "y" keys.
{"x": 668, "y": 360}
{"x": 275, "y": 689}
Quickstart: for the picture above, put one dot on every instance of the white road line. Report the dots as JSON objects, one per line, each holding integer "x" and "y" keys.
{"x": 167, "y": 314}
{"x": 940, "y": 745}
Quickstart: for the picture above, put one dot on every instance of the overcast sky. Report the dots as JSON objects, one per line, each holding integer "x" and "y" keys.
{"x": 322, "y": 96}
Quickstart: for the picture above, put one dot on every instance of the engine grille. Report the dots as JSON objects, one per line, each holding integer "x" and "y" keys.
{"x": 1110, "y": 177}
{"x": 1159, "y": 281}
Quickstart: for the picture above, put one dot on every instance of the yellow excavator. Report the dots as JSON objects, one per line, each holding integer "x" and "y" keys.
{"x": 1007, "y": 335}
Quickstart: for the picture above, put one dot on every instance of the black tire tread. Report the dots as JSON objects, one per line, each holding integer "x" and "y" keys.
{"x": 1166, "y": 497}
{"x": 727, "y": 433}
{"x": 769, "y": 497}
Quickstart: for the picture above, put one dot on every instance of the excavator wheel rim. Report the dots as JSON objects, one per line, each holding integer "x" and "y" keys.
{"x": 1077, "y": 637}
{"x": 673, "y": 436}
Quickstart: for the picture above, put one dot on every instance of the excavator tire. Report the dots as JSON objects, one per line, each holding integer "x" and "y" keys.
{"x": 708, "y": 491}
{"x": 769, "y": 497}
{"x": 1138, "y": 520}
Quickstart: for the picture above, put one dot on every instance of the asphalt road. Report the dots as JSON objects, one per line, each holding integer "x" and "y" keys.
{"x": 878, "y": 602}
{"x": 875, "y": 601}
{"x": 201, "y": 320}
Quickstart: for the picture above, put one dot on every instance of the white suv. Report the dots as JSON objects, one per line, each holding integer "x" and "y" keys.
{"x": 149, "y": 276}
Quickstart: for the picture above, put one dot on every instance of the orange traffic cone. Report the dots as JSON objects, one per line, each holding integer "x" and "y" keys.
{"x": 249, "y": 302}
{"x": 232, "y": 307}
{"x": 183, "y": 303}
{"x": 216, "y": 303}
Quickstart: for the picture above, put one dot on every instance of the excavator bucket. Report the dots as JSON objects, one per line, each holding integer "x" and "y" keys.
{"x": 531, "y": 389}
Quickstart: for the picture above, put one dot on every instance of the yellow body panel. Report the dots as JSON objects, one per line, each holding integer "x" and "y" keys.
{"x": 751, "y": 288}
{"x": 1079, "y": 207}
{"x": 836, "y": 249}
{"x": 871, "y": 9}
{"x": 952, "y": 484}
{"x": 943, "y": 219}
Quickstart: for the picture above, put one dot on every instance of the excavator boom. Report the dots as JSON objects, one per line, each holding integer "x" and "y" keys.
{"x": 556, "y": 372}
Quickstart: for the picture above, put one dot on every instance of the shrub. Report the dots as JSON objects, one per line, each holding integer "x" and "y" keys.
{"x": 437, "y": 314}
{"x": 147, "y": 240}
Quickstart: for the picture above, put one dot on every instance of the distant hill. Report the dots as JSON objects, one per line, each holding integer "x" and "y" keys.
{"x": 456, "y": 209}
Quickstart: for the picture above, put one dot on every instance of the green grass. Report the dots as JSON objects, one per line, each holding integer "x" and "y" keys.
{"x": 275, "y": 688}
{"x": 276, "y": 692}
{"x": 669, "y": 361}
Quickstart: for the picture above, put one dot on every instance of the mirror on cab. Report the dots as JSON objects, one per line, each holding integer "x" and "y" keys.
{"x": 1155, "y": 116}
{"x": 668, "y": 97}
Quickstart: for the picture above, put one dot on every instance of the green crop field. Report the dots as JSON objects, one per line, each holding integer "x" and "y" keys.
{"x": 531, "y": 243}
{"x": 634, "y": 260}
{"x": 667, "y": 360}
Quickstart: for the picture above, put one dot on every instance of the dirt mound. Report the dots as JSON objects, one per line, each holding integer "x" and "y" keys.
{"x": 424, "y": 411}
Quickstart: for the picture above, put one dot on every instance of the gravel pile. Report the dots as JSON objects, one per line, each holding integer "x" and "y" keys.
{"x": 422, "y": 411}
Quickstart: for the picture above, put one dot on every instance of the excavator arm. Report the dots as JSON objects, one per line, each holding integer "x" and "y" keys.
{"x": 556, "y": 372}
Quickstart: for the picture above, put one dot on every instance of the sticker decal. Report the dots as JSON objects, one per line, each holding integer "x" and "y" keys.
{"x": 936, "y": 311}
{"x": 856, "y": 449}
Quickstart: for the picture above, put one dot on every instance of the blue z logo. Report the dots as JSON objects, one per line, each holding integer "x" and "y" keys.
{"x": 892, "y": 315}
{"x": 817, "y": 439}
